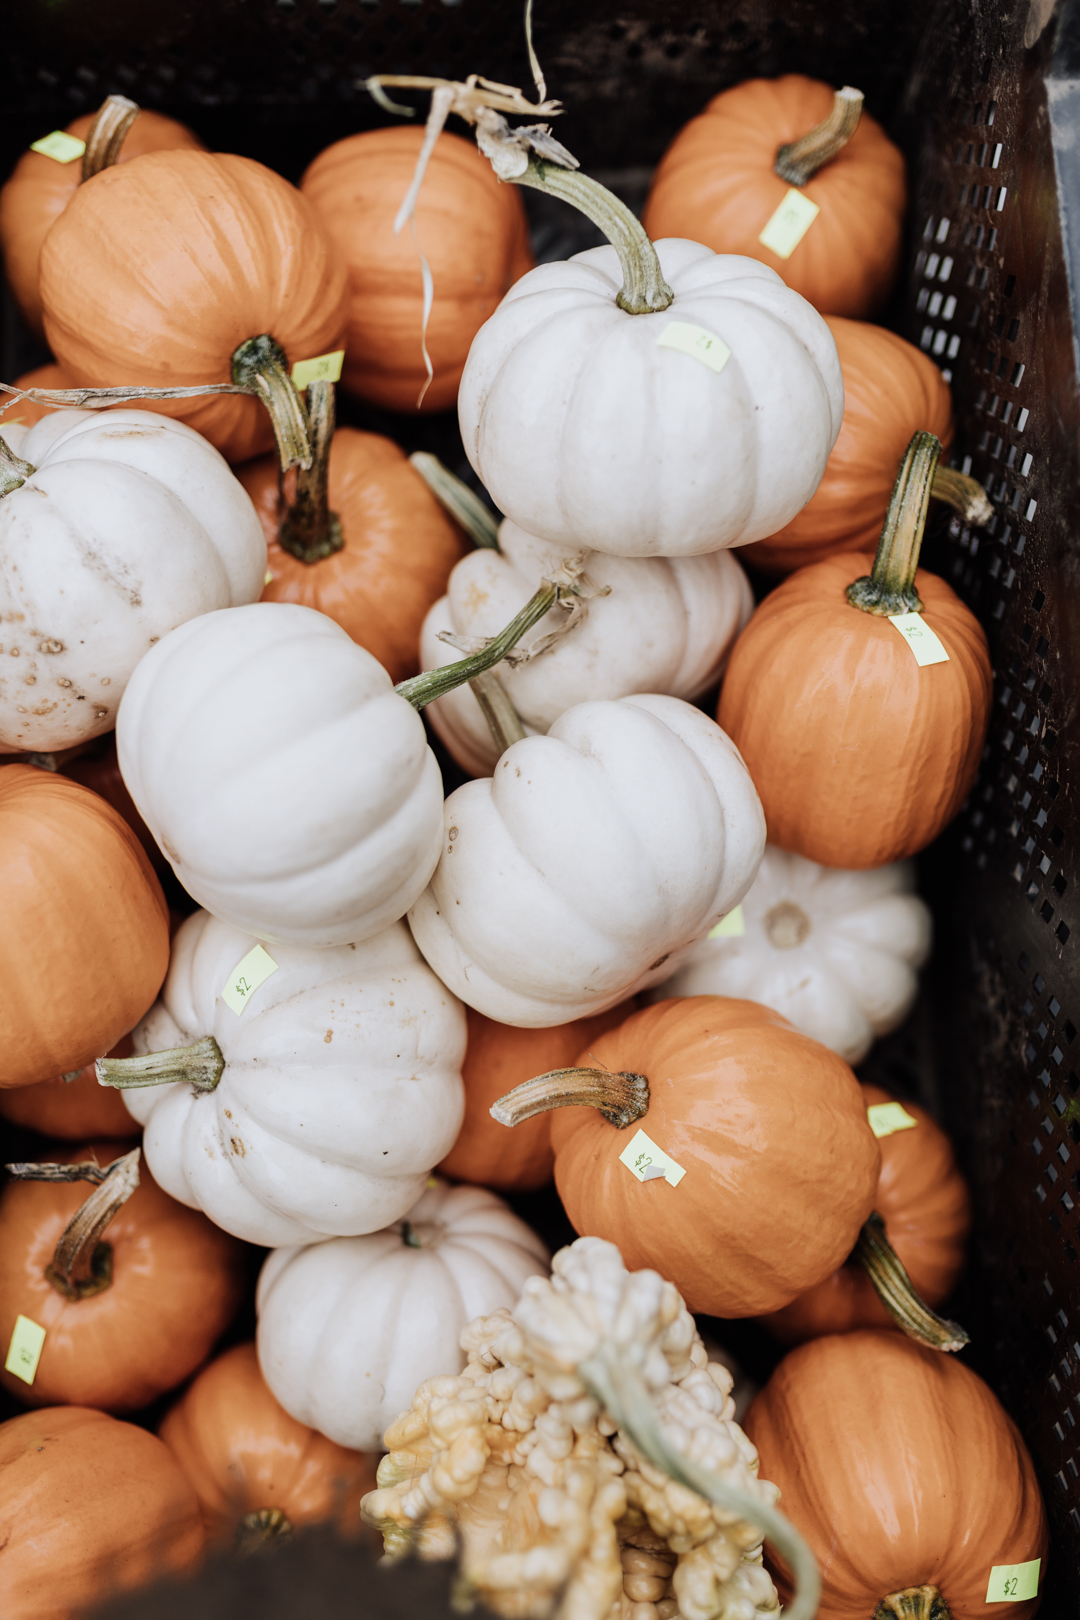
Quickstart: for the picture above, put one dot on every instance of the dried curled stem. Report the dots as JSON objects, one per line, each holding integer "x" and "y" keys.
{"x": 962, "y": 492}
{"x": 106, "y": 134}
{"x": 897, "y": 1293}
{"x": 798, "y": 161}
{"x": 622, "y": 1098}
{"x": 82, "y": 1264}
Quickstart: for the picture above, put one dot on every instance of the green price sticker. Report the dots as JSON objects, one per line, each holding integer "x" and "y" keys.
{"x": 789, "y": 224}
{"x": 24, "y": 1351}
{"x": 324, "y": 368}
{"x": 919, "y": 637}
{"x": 697, "y": 342}
{"x": 246, "y": 978}
{"x": 888, "y": 1118}
{"x": 1012, "y": 1583}
{"x": 60, "y": 147}
{"x": 647, "y": 1162}
{"x": 733, "y": 926}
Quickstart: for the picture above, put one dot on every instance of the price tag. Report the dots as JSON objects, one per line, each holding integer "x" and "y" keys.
{"x": 733, "y": 926}
{"x": 63, "y": 148}
{"x": 647, "y": 1162}
{"x": 697, "y": 342}
{"x": 246, "y": 978}
{"x": 789, "y": 224}
{"x": 888, "y": 1118}
{"x": 1009, "y": 1583}
{"x": 324, "y": 368}
{"x": 920, "y": 638}
{"x": 267, "y": 578}
{"x": 24, "y": 1351}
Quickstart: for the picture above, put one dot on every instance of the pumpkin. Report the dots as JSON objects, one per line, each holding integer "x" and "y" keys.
{"x": 471, "y": 230}
{"x": 85, "y": 939}
{"x": 72, "y": 1106}
{"x": 257, "y": 1472}
{"x": 163, "y": 271}
{"x": 891, "y": 390}
{"x": 835, "y": 952}
{"x": 667, "y": 625}
{"x": 724, "y": 177}
{"x": 349, "y": 1327}
{"x": 572, "y": 877}
{"x": 119, "y": 528}
{"x": 338, "y": 1083}
{"x": 903, "y": 1473}
{"x": 90, "y": 1507}
{"x": 128, "y": 1314}
{"x": 99, "y": 769}
{"x": 861, "y": 754}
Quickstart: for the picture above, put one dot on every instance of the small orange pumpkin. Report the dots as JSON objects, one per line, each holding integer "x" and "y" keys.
{"x": 71, "y": 1109}
{"x": 718, "y": 183}
{"x": 471, "y": 230}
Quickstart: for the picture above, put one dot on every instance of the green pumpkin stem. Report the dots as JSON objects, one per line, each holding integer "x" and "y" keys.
{"x": 890, "y": 587}
{"x": 200, "y": 1066}
{"x": 622, "y": 1098}
{"x": 894, "y": 1288}
{"x": 435, "y": 683}
{"x": 308, "y": 529}
{"x": 798, "y": 161}
{"x": 260, "y": 367}
{"x": 458, "y": 499}
{"x": 914, "y": 1603}
{"x": 497, "y": 707}
{"x": 106, "y": 134}
{"x": 13, "y": 470}
{"x": 82, "y": 1264}
{"x": 257, "y": 1530}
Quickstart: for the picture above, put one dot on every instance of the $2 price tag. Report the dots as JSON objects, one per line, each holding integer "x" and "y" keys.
{"x": 24, "y": 1351}
{"x": 324, "y": 368}
{"x": 246, "y": 978}
{"x": 62, "y": 148}
{"x": 888, "y": 1118}
{"x": 647, "y": 1162}
{"x": 733, "y": 926}
{"x": 697, "y": 342}
{"x": 920, "y": 638}
{"x": 789, "y": 224}
{"x": 1012, "y": 1583}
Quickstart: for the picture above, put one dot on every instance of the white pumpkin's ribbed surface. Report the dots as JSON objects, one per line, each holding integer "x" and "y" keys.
{"x": 667, "y": 626}
{"x": 348, "y": 1329}
{"x": 289, "y": 785}
{"x": 130, "y": 525}
{"x": 587, "y": 433}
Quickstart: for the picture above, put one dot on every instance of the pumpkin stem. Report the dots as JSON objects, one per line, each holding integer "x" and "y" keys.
{"x": 894, "y": 1288}
{"x": 458, "y": 499}
{"x": 496, "y": 704}
{"x": 622, "y": 1098}
{"x": 309, "y": 530}
{"x": 82, "y": 1264}
{"x": 914, "y": 1603}
{"x": 201, "y": 1065}
{"x": 644, "y": 290}
{"x": 435, "y": 683}
{"x": 963, "y": 492}
{"x": 260, "y": 367}
{"x": 106, "y": 134}
{"x": 890, "y": 587}
{"x": 258, "y": 1529}
{"x": 13, "y": 470}
{"x": 799, "y": 161}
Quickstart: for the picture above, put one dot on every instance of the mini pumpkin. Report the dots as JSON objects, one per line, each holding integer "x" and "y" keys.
{"x": 72, "y": 1107}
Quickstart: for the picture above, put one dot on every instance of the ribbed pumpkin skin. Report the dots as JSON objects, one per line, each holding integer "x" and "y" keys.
{"x": 860, "y": 756}
{"x": 715, "y": 184}
{"x": 160, "y": 268}
{"x": 89, "y": 1507}
{"x": 242, "y": 1452}
{"x": 891, "y": 391}
{"x": 71, "y": 1110}
{"x": 471, "y": 229}
{"x": 40, "y": 189}
{"x": 900, "y": 1468}
{"x": 923, "y": 1200}
{"x": 399, "y": 547}
{"x": 84, "y": 938}
{"x": 781, "y": 1164}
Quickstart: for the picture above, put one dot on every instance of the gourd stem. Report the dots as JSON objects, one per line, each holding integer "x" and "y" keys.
{"x": 798, "y": 161}
{"x": 13, "y": 470}
{"x": 106, "y": 134}
{"x": 258, "y": 1529}
{"x": 962, "y": 492}
{"x": 459, "y": 500}
{"x": 200, "y": 1065}
{"x": 82, "y": 1264}
{"x": 621, "y": 1097}
{"x": 620, "y": 1388}
{"x": 504, "y": 722}
{"x": 914, "y": 1603}
{"x": 890, "y": 587}
{"x": 309, "y": 530}
{"x": 894, "y": 1288}
{"x": 644, "y": 290}
{"x": 260, "y": 366}
{"x": 435, "y": 683}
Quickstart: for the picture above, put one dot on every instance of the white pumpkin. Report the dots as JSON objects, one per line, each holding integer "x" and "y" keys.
{"x": 289, "y": 785}
{"x": 594, "y": 856}
{"x": 129, "y": 525}
{"x": 347, "y": 1329}
{"x": 835, "y": 952}
{"x": 668, "y": 625}
{"x": 341, "y": 1087}
{"x": 590, "y": 431}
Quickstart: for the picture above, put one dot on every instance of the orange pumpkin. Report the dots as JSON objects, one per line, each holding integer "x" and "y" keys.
{"x": 257, "y": 1471}
{"x": 168, "y": 1283}
{"x": 160, "y": 272}
{"x": 71, "y": 1109}
{"x": 471, "y": 229}
{"x": 717, "y": 183}
{"x": 84, "y": 939}
{"x": 923, "y": 1200}
{"x": 901, "y": 1470}
{"x": 891, "y": 390}
{"x": 89, "y": 1507}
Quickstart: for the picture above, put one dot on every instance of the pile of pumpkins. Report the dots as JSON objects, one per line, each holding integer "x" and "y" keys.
{"x": 586, "y": 963}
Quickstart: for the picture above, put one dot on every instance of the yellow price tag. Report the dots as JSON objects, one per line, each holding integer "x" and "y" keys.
{"x": 888, "y": 1118}
{"x": 267, "y": 578}
{"x": 697, "y": 342}
{"x": 324, "y": 368}
{"x": 648, "y": 1162}
{"x": 789, "y": 224}
{"x": 1012, "y": 1583}
{"x": 733, "y": 926}
{"x": 246, "y": 978}
{"x": 24, "y": 1351}
{"x": 920, "y": 638}
{"x": 63, "y": 148}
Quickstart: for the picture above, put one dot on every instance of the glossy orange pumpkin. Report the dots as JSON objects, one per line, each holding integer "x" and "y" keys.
{"x": 71, "y": 1110}
{"x": 471, "y": 229}
{"x": 89, "y": 1507}
{"x": 716, "y": 184}
{"x": 923, "y": 1200}
{"x": 84, "y": 934}
{"x": 901, "y": 1470}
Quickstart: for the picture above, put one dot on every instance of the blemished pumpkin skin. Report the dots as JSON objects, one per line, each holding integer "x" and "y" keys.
{"x": 716, "y": 184}
{"x": 770, "y": 1127}
{"x": 923, "y": 1200}
{"x": 71, "y": 1110}
{"x": 859, "y": 755}
{"x": 89, "y": 1507}
{"x": 901, "y": 1469}
{"x": 471, "y": 229}
{"x": 40, "y": 189}
{"x": 399, "y": 547}
{"x": 176, "y": 1283}
{"x": 159, "y": 269}
{"x": 84, "y": 942}
{"x": 891, "y": 390}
